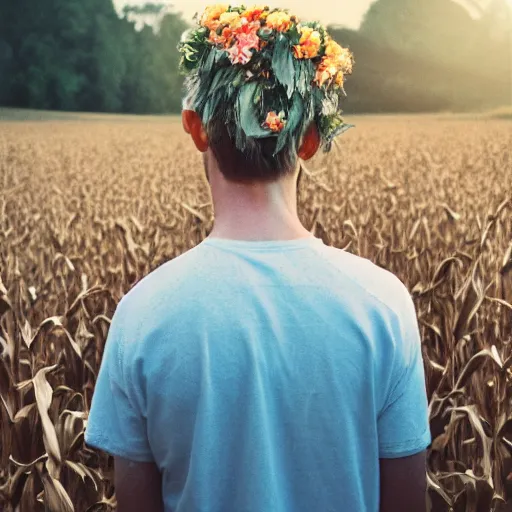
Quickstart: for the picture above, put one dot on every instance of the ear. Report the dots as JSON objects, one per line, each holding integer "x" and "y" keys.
{"x": 310, "y": 143}
{"x": 193, "y": 125}
{"x": 185, "y": 120}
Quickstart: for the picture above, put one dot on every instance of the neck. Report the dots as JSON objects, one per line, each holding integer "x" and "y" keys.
{"x": 256, "y": 211}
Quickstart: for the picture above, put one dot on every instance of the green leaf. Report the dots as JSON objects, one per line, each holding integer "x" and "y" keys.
{"x": 309, "y": 108}
{"x": 335, "y": 132}
{"x": 222, "y": 78}
{"x": 208, "y": 63}
{"x": 233, "y": 84}
{"x": 238, "y": 79}
{"x": 282, "y": 64}
{"x": 295, "y": 116}
{"x": 201, "y": 97}
{"x": 221, "y": 55}
{"x": 318, "y": 96}
{"x": 249, "y": 121}
{"x": 304, "y": 74}
{"x": 209, "y": 108}
{"x": 258, "y": 94}
{"x": 294, "y": 34}
{"x": 219, "y": 90}
{"x": 265, "y": 34}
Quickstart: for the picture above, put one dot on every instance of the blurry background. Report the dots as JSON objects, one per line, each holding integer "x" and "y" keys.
{"x": 105, "y": 56}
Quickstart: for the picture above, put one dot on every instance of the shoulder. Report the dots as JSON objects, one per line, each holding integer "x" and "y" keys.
{"x": 389, "y": 298}
{"x": 370, "y": 280}
{"x": 163, "y": 290}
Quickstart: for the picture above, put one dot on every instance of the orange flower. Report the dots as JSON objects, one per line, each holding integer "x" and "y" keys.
{"x": 254, "y": 13}
{"x": 340, "y": 79}
{"x": 225, "y": 39}
{"x": 232, "y": 19}
{"x": 340, "y": 57}
{"x": 279, "y": 20}
{"x": 212, "y": 24}
{"x": 325, "y": 71}
{"x": 211, "y": 15}
{"x": 309, "y": 45}
{"x": 336, "y": 63}
{"x": 275, "y": 122}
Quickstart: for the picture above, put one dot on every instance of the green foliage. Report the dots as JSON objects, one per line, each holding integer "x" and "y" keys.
{"x": 80, "y": 56}
{"x": 333, "y": 125}
{"x": 249, "y": 116}
{"x": 193, "y": 48}
{"x": 304, "y": 75}
{"x": 149, "y": 8}
{"x": 283, "y": 65}
{"x": 295, "y": 117}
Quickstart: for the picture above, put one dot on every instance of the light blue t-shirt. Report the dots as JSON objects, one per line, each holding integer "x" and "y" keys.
{"x": 264, "y": 377}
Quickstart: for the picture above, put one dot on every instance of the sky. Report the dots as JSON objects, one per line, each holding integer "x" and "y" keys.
{"x": 330, "y": 12}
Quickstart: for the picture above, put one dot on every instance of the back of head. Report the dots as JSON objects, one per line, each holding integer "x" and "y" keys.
{"x": 260, "y": 79}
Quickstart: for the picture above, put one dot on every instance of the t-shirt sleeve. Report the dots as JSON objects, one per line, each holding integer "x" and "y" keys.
{"x": 403, "y": 424}
{"x": 116, "y": 424}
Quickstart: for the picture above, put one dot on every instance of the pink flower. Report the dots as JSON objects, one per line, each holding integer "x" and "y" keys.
{"x": 239, "y": 55}
{"x": 241, "y": 51}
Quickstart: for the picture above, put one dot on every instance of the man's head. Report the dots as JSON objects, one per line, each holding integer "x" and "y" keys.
{"x": 259, "y": 164}
{"x": 263, "y": 90}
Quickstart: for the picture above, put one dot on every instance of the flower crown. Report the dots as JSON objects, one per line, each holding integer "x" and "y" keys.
{"x": 266, "y": 73}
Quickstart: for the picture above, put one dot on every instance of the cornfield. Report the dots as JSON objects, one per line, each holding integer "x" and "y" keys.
{"x": 88, "y": 207}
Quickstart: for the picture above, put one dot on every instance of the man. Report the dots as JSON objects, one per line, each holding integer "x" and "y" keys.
{"x": 263, "y": 371}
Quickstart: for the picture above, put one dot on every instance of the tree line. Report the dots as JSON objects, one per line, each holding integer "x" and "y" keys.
{"x": 411, "y": 55}
{"x": 430, "y": 55}
{"x": 82, "y": 56}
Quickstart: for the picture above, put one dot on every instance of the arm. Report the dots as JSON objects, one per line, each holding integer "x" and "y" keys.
{"x": 117, "y": 423}
{"x": 403, "y": 484}
{"x": 403, "y": 422}
{"x": 138, "y": 486}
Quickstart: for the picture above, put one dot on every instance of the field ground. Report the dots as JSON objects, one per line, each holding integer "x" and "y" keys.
{"x": 13, "y": 114}
{"x": 24, "y": 115}
{"x": 88, "y": 208}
